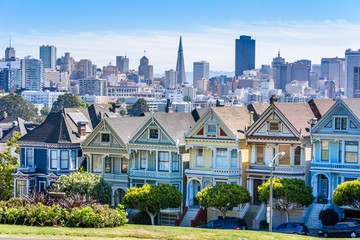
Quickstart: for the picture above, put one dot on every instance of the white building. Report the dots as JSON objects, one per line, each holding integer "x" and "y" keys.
{"x": 175, "y": 95}
{"x": 38, "y": 97}
{"x": 31, "y": 74}
{"x": 189, "y": 90}
{"x": 170, "y": 79}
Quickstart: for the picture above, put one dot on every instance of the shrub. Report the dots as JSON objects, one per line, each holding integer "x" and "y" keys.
{"x": 329, "y": 217}
{"x": 141, "y": 218}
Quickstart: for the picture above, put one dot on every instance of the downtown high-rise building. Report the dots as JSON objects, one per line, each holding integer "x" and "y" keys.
{"x": 122, "y": 63}
{"x": 170, "y": 79}
{"x": 333, "y": 69}
{"x": 84, "y": 69}
{"x": 244, "y": 54}
{"x": 48, "y": 56}
{"x": 145, "y": 70}
{"x": 180, "y": 65}
{"x": 9, "y": 53}
{"x": 352, "y": 63}
{"x": 67, "y": 63}
{"x": 201, "y": 70}
{"x": 31, "y": 74}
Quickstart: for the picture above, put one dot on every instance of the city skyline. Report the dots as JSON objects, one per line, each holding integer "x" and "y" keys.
{"x": 299, "y": 34}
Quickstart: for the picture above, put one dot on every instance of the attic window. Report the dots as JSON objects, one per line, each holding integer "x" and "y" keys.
{"x": 105, "y": 137}
{"x": 274, "y": 126}
{"x": 153, "y": 133}
{"x": 211, "y": 129}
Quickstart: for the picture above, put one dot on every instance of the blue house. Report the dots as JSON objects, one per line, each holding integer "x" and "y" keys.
{"x": 53, "y": 148}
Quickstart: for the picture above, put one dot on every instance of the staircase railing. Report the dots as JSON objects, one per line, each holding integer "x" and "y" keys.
{"x": 178, "y": 221}
{"x": 305, "y": 218}
{"x": 244, "y": 210}
{"x": 201, "y": 216}
{"x": 261, "y": 210}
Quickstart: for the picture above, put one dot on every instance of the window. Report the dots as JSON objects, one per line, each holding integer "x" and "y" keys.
{"x": 73, "y": 159}
{"x": 42, "y": 186}
{"x": 274, "y": 126}
{"x": 297, "y": 156}
{"x": 284, "y": 160}
{"x": 30, "y": 157}
{"x": 154, "y": 133}
{"x": 260, "y": 154}
{"x": 163, "y": 161}
{"x": 124, "y": 165}
{"x": 221, "y": 158}
{"x": 64, "y": 159}
{"x": 199, "y": 161}
{"x": 211, "y": 129}
{"x": 108, "y": 164}
{"x": 54, "y": 159}
{"x": 175, "y": 163}
{"x": 97, "y": 163}
{"x": 21, "y": 188}
{"x": 351, "y": 152}
{"x": 105, "y": 137}
{"x": 234, "y": 158}
{"x": 340, "y": 123}
{"x": 143, "y": 158}
{"x": 324, "y": 150}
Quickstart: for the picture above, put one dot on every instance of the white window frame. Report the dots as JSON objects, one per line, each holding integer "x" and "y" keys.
{"x": 153, "y": 128}
{"x": 202, "y": 164}
{"x": 232, "y": 160}
{"x": 225, "y": 163}
{"x": 207, "y": 128}
{"x": 57, "y": 159}
{"x": 68, "y": 159}
{"x": 341, "y": 119}
{"x": 272, "y": 122}
{"x": 73, "y": 166}
{"x": 101, "y": 137}
{"x": 146, "y": 159}
{"x": 26, "y": 157}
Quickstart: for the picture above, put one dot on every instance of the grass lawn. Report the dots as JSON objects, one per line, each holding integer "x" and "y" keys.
{"x": 131, "y": 231}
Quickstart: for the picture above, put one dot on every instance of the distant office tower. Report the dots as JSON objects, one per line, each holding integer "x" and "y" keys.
{"x": 9, "y": 53}
{"x": 244, "y": 54}
{"x": 265, "y": 69}
{"x": 333, "y": 69}
{"x": 305, "y": 61}
{"x": 122, "y": 63}
{"x": 281, "y": 72}
{"x": 300, "y": 71}
{"x": 5, "y": 79}
{"x": 170, "y": 79}
{"x": 85, "y": 69}
{"x": 180, "y": 65}
{"x": 67, "y": 63}
{"x": 145, "y": 70}
{"x": 92, "y": 86}
{"x": 352, "y": 62}
{"x": 200, "y": 71}
{"x": 202, "y": 85}
{"x": 10, "y": 75}
{"x": 48, "y": 56}
{"x": 31, "y": 74}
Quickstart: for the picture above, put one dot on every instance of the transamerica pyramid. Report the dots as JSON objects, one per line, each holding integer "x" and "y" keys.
{"x": 180, "y": 66}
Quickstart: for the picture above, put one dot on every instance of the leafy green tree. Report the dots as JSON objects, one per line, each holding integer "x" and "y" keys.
{"x": 223, "y": 197}
{"x": 139, "y": 107}
{"x": 123, "y": 112}
{"x": 153, "y": 198}
{"x": 85, "y": 183}
{"x": 43, "y": 114}
{"x": 347, "y": 194}
{"x": 68, "y": 100}
{"x": 187, "y": 99}
{"x": 8, "y": 162}
{"x": 15, "y": 105}
{"x": 286, "y": 192}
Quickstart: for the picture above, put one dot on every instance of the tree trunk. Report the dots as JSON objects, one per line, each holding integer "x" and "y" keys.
{"x": 287, "y": 216}
{"x": 223, "y": 214}
{"x": 152, "y": 217}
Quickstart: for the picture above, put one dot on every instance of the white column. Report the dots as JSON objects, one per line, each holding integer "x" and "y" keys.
{"x": 228, "y": 158}
{"x": 58, "y": 159}
{"x": 15, "y": 186}
{"x": 291, "y": 155}
{"x": 170, "y": 161}
{"x": 90, "y": 159}
{"x": 329, "y": 187}
{"x": 157, "y": 161}
{"x": 343, "y": 151}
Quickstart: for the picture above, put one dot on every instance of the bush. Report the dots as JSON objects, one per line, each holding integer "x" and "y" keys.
{"x": 94, "y": 215}
{"x": 329, "y": 217}
{"x": 141, "y": 218}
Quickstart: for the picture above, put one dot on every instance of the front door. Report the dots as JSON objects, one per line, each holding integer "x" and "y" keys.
{"x": 324, "y": 187}
{"x": 257, "y": 183}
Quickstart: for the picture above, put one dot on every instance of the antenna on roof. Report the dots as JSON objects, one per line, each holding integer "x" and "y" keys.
{"x": 10, "y": 42}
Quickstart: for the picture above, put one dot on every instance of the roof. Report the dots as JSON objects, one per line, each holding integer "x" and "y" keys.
{"x": 354, "y": 105}
{"x": 10, "y": 125}
{"x": 61, "y": 127}
{"x": 321, "y": 106}
{"x": 258, "y": 109}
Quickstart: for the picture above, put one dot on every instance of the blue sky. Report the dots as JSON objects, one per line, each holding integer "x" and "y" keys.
{"x": 100, "y": 30}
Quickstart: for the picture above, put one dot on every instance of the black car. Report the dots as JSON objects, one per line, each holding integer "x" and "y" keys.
{"x": 341, "y": 229}
{"x": 293, "y": 228}
{"x": 227, "y": 223}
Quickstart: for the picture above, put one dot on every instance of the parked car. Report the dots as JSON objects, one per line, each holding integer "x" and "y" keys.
{"x": 293, "y": 228}
{"x": 341, "y": 229}
{"x": 227, "y": 223}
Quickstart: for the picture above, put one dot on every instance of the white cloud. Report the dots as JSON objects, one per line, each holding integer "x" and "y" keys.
{"x": 296, "y": 40}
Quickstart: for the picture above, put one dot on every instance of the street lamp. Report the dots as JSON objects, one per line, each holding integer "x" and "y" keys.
{"x": 271, "y": 165}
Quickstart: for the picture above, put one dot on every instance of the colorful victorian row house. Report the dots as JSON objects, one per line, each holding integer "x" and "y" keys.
{"x": 53, "y": 148}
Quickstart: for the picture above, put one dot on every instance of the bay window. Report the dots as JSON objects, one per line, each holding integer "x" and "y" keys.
{"x": 97, "y": 163}
{"x": 73, "y": 159}
{"x": 199, "y": 157}
{"x": 234, "y": 158}
{"x": 124, "y": 165}
{"x": 64, "y": 159}
{"x": 143, "y": 160}
{"x": 175, "y": 163}
{"x": 259, "y": 154}
{"x": 163, "y": 161}
{"x": 30, "y": 157}
{"x": 53, "y": 159}
{"x": 108, "y": 164}
{"x": 297, "y": 156}
{"x": 221, "y": 158}
{"x": 324, "y": 150}
{"x": 284, "y": 160}
{"x": 21, "y": 188}
{"x": 351, "y": 152}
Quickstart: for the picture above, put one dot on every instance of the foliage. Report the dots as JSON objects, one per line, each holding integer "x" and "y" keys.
{"x": 223, "y": 197}
{"x": 347, "y": 194}
{"x": 15, "y": 105}
{"x": 139, "y": 107}
{"x": 286, "y": 192}
{"x": 123, "y": 112}
{"x": 153, "y": 198}
{"x": 43, "y": 114}
{"x": 141, "y": 218}
{"x": 329, "y": 217}
{"x": 187, "y": 99}
{"x": 39, "y": 214}
{"x": 68, "y": 100}
{"x": 85, "y": 183}
{"x": 8, "y": 162}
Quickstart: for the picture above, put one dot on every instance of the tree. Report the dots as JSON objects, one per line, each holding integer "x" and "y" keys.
{"x": 153, "y": 198}
{"x": 347, "y": 194}
{"x": 43, "y": 114}
{"x": 85, "y": 183}
{"x": 123, "y": 112}
{"x": 329, "y": 217}
{"x": 8, "y": 162}
{"x": 187, "y": 99}
{"x": 223, "y": 197}
{"x": 286, "y": 192}
{"x": 67, "y": 100}
{"x": 15, "y": 105}
{"x": 139, "y": 107}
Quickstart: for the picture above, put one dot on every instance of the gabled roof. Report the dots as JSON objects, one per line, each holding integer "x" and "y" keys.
{"x": 10, "y": 125}
{"x": 258, "y": 109}
{"x": 354, "y": 105}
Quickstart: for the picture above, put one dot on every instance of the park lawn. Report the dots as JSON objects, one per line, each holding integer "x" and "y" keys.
{"x": 132, "y": 231}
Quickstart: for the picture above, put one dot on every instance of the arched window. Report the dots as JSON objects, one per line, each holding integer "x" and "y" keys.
{"x": 297, "y": 156}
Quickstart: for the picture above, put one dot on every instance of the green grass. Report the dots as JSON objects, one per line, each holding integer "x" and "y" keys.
{"x": 131, "y": 231}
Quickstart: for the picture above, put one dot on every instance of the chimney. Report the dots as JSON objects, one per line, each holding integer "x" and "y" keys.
{"x": 81, "y": 125}
{"x": 168, "y": 109}
{"x": 5, "y": 114}
{"x": 251, "y": 117}
{"x": 273, "y": 99}
{"x": 116, "y": 107}
{"x": 313, "y": 121}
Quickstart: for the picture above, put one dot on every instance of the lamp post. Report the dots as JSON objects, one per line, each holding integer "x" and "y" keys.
{"x": 271, "y": 165}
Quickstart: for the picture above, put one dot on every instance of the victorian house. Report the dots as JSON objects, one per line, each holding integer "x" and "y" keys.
{"x": 53, "y": 148}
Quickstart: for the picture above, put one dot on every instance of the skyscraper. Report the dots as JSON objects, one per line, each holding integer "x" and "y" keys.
{"x": 170, "y": 78}
{"x": 122, "y": 63}
{"x": 31, "y": 73}
{"x": 333, "y": 69}
{"x": 244, "y": 54}
{"x": 201, "y": 70}
{"x": 180, "y": 66}
{"x": 352, "y": 62}
{"x": 48, "y": 56}
{"x": 85, "y": 69}
{"x": 9, "y": 53}
{"x": 145, "y": 70}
